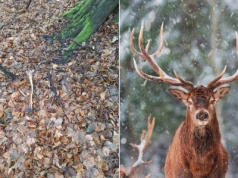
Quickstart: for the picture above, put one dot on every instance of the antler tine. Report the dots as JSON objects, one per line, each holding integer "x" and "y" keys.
{"x": 237, "y": 43}
{"x": 189, "y": 85}
{"x": 161, "y": 41}
{"x": 146, "y": 76}
{"x": 150, "y": 58}
{"x": 226, "y": 80}
{"x": 147, "y": 56}
{"x": 132, "y": 46}
{"x": 145, "y": 139}
{"x": 215, "y": 83}
{"x": 147, "y": 176}
{"x": 160, "y": 79}
{"x": 149, "y": 133}
{"x": 147, "y": 46}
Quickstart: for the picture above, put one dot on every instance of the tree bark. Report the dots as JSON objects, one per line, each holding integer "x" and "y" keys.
{"x": 215, "y": 17}
{"x": 85, "y": 18}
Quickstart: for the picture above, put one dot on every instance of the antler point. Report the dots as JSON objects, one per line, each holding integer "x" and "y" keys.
{"x": 142, "y": 24}
{"x": 236, "y": 42}
{"x": 224, "y": 70}
{"x": 175, "y": 73}
{"x": 162, "y": 26}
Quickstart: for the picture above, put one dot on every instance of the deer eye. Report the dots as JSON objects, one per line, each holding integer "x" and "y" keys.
{"x": 190, "y": 102}
{"x": 212, "y": 101}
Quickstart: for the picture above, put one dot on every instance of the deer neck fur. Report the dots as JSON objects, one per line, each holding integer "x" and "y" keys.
{"x": 202, "y": 139}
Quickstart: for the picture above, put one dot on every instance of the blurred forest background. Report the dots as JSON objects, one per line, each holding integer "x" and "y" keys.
{"x": 199, "y": 42}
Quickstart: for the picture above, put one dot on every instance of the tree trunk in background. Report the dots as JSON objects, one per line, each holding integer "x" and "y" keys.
{"x": 215, "y": 17}
{"x": 85, "y": 18}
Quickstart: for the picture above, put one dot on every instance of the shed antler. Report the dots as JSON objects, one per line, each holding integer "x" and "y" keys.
{"x": 163, "y": 77}
{"x": 178, "y": 81}
{"x": 145, "y": 139}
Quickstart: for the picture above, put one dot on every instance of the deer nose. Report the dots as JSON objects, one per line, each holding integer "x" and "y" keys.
{"x": 202, "y": 115}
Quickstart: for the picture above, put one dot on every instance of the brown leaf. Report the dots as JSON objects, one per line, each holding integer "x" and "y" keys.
{"x": 15, "y": 94}
{"x": 89, "y": 162}
{"x": 28, "y": 164}
{"x": 103, "y": 95}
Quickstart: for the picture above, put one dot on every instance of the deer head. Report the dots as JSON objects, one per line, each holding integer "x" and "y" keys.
{"x": 200, "y": 100}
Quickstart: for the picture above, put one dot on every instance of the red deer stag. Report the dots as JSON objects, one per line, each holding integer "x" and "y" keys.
{"x": 196, "y": 150}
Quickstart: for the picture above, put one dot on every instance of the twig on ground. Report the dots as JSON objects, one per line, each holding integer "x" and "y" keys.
{"x": 28, "y": 4}
{"x": 9, "y": 22}
{"x": 72, "y": 2}
{"x": 53, "y": 89}
{"x": 7, "y": 73}
{"x": 30, "y": 76}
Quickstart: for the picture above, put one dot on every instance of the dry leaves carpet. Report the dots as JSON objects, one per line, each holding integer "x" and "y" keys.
{"x": 74, "y": 131}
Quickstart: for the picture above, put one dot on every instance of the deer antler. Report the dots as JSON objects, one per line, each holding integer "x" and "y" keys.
{"x": 178, "y": 81}
{"x": 163, "y": 77}
{"x": 145, "y": 139}
{"x": 215, "y": 83}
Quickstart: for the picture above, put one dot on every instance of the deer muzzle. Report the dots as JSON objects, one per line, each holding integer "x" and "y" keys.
{"x": 202, "y": 117}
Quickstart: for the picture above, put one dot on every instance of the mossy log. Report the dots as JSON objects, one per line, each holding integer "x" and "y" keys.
{"x": 85, "y": 18}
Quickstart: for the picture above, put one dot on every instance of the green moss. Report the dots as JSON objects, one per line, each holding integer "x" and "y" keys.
{"x": 116, "y": 18}
{"x": 83, "y": 35}
{"x": 81, "y": 8}
{"x": 79, "y": 16}
{"x": 85, "y": 18}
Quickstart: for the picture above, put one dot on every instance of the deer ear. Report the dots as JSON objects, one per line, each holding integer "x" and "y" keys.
{"x": 179, "y": 94}
{"x": 221, "y": 92}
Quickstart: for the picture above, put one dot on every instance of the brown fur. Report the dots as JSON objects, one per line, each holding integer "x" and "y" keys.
{"x": 197, "y": 151}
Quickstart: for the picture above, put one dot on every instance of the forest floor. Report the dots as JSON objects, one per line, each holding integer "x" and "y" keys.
{"x": 72, "y": 128}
